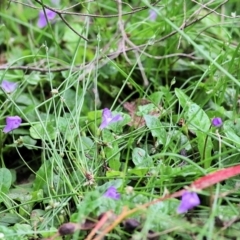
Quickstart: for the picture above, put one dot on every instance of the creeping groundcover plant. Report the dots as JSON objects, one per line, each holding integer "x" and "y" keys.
{"x": 119, "y": 120}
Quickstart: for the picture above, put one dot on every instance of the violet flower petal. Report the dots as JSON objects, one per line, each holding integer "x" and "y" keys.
{"x": 42, "y": 21}
{"x": 107, "y": 113}
{"x": 12, "y": 122}
{"x": 116, "y": 118}
{"x": 104, "y": 124}
{"x": 189, "y": 201}
{"x": 217, "y": 122}
{"x": 8, "y": 87}
{"x": 152, "y": 15}
{"x": 50, "y": 14}
{"x": 107, "y": 118}
{"x": 112, "y": 193}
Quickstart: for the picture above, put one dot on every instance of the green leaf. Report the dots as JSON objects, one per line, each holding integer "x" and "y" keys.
{"x": 27, "y": 100}
{"x": 146, "y": 109}
{"x": 70, "y": 98}
{"x": 232, "y": 131}
{"x": 36, "y": 215}
{"x": 205, "y": 148}
{"x": 51, "y": 232}
{"x": 156, "y": 128}
{"x": 94, "y": 117}
{"x": 87, "y": 143}
{"x": 37, "y": 195}
{"x": 111, "y": 151}
{"x": 140, "y": 158}
{"x": 197, "y": 118}
{"x": 156, "y": 97}
{"x": 8, "y": 233}
{"x": 8, "y": 219}
{"x": 67, "y": 127}
{"x": 112, "y": 173}
{"x": 33, "y": 78}
{"x": 193, "y": 113}
{"x": 5, "y": 180}
{"x": 48, "y": 132}
{"x": 183, "y": 99}
{"x": 42, "y": 175}
{"x": 28, "y": 142}
{"x": 22, "y": 229}
{"x": 70, "y": 36}
{"x": 139, "y": 171}
{"x": 199, "y": 122}
{"x": 22, "y": 194}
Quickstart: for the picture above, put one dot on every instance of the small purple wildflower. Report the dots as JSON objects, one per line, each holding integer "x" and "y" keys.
{"x": 8, "y": 87}
{"x": 189, "y": 201}
{"x": 12, "y": 123}
{"x": 152, "y": 15}
{"x": 108, "y": 118}
{"x": 217, "y": 122}
{"x": 42, "y": 21}
{"x": 112, "y": 193}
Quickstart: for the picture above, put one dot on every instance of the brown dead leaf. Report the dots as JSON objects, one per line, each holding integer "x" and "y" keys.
{"x": 132, "y": 108}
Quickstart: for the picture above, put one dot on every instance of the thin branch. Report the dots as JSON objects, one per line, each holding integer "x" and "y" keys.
{"x": 84, "y": 66}
{"x": 184, "y": 26}
{"x": 69, "y": 26}
{"x": 135, "y": 10}
{"x": 24, "y": 4}
{"x": 115, "y": 54}
{"x": 217, "y": 13}
{"x": 38, "y": 69}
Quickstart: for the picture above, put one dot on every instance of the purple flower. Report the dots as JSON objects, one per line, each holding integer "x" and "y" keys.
{"x": 152, "y": 15}
{"x": 42, "y": 21}
{"x": 112, "y": 193}
{"x": 12, "y": 123}
{"x": 217, "y": 122}
{"x": 8, "y": 87}
{"x": 189, "y": 201}
{"x": 108, "y": 118}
